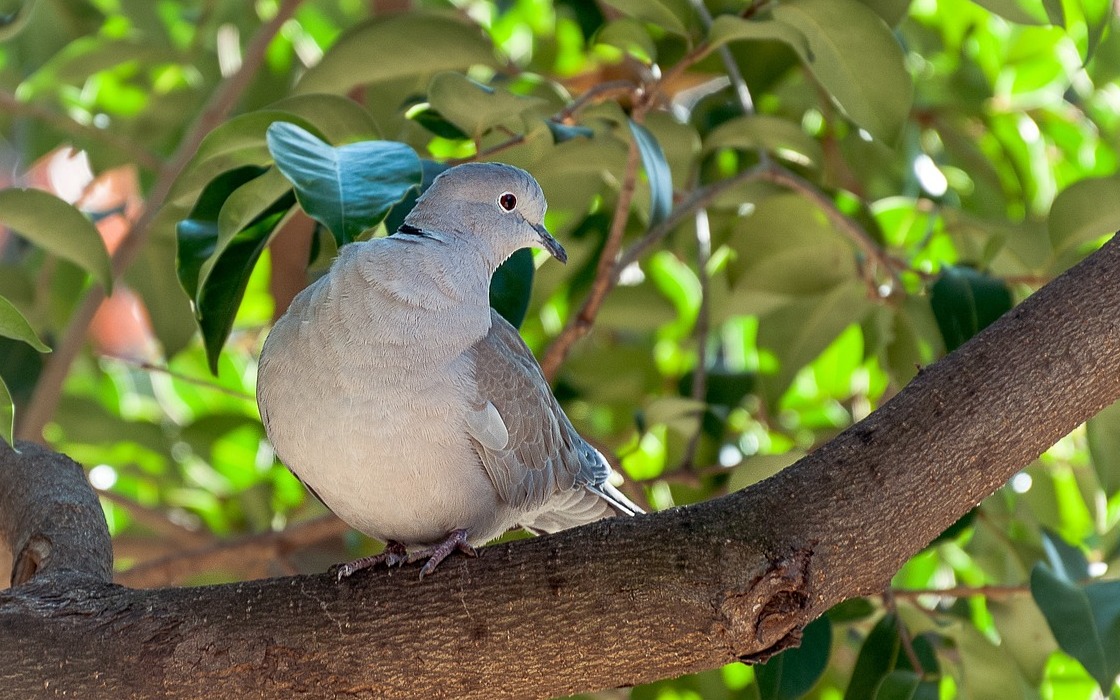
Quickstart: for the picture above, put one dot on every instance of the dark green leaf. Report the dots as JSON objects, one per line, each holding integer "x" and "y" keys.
{"x": 794, "y": 672}
{"x": 1085, "y": 621}
{"x": 58, "y": 228}
{"x": 14, "y": 325}
{"x": 400, "y": 46}
{"x": 851, "y": 610}
{"x": 1067, "y": 561}
{"x": 511, "y": 285}
{"x": 951, "y": 532}
{"x": 965, "y": 301}
{"x": 436, "y": 123}
{"x": 877, "y": 657}
{"x": 657, "y": 172}
{"x": 348, "y": 189}
{"x": 906, "y": 685}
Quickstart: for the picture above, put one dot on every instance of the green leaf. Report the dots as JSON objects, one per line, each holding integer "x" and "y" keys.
{"x": 876, "y": 658}
{"x": 1024, "y": 634}
{"x": 7, "y": 413}
{"x": 965, "y": 301}
{"x": 1066, "y": 561}
{"x": 657, "y": 172}
{"x": 511, "y": 286}
{"x": 857, "y": 60}
{"x": 794, "y": 672}
{"x": 629, "y": 36}
{"x": 473, "y": 107}
{"x": 12, "y": 20}
{"x": 400, "y": 46}
{"x": 1084, "y": 211}
{"x": 1085, "y": 621}
{"x": 670, "y": 15}
{"x": 1010, "y": 10}
{"x": 780, "y": 137}
{"x": 906, "y": 685}
{"x": 14, "y": 325}
{"x": 348, "y": 189}
{"x": 565, "y": 132}
{"x": 438, "y": 124}
{"x": 58, "y": 228}
{"x": 729, "y": 28}
{"x": 1103, "y": 433}
{"x": 88, "y": 55}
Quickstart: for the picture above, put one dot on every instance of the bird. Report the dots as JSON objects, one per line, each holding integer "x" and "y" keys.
{"x": 412, "y": 409}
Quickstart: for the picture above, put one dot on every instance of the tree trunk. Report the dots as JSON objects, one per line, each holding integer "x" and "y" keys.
{"x": 615, "y": 603}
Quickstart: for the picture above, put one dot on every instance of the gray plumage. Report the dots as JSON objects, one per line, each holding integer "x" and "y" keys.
{"x": 410, "y": 408}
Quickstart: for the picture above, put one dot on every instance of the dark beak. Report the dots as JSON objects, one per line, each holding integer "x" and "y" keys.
{"x": 550, "y": 244}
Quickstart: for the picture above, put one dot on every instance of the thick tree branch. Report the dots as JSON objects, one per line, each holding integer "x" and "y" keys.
{"x": 49, "y": 516}
{"x": 622, "y": 601}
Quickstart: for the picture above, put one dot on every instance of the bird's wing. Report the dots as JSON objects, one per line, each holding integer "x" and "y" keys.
{"x": 527, "y": 445}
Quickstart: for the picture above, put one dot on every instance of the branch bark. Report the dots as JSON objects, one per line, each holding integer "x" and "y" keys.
{"x": 618, "y": 602}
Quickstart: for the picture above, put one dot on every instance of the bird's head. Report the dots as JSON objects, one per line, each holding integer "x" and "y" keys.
{"x": 495, "y": 207}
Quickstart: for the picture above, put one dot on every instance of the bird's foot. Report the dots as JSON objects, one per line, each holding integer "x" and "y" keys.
{"x": 394, "y": 555}
{"x": 456, "y": 540}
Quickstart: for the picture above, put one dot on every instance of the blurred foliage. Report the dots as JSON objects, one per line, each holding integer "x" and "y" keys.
{"x": 903, "y": 172}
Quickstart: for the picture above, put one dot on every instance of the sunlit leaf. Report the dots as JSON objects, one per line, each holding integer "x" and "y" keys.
{"x": 58, "y": 228}
{"x": 1012, "y": 10}
{"x": 348, "y": 188}
{"x": 1085, "y": 211}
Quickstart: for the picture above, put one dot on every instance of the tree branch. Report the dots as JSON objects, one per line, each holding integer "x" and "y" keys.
{"x": 48, "y": 389}
{"x": 49, "y": 516}
{"x": 621, "y": 601}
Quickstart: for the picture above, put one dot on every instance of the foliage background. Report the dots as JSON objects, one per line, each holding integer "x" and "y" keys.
{"x": 812, "y": 199}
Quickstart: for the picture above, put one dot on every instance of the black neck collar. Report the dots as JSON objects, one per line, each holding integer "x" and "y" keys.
{"x": 410, "y": 230}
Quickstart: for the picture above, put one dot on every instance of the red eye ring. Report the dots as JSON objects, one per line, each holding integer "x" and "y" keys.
{"x": 507, "y": 201}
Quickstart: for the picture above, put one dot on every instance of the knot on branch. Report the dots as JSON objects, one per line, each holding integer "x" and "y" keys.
{"x": 767, "y": 618}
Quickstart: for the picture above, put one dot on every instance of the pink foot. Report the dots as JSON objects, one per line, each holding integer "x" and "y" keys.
{"x": 456, "y": 540}
{"x": 394, "y": 555}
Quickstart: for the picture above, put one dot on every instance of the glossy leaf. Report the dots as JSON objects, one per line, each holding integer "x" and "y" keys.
{"x": 57, "y": 228}
{"x": 1084, "y": 211}
{"x": 14, "y": 325}
{"x": 794, "y": 672}
{"x": 395, "y": 47}
{"x": 1085, "y": 621}
{"x": 876, "y": 658}
{"x": 348, "y": 189}
{"x": 1066, "y": 561}
{"x": 857, "y": 60}
{"x": 657, "y": 172}
{"x": 965, "y": 301}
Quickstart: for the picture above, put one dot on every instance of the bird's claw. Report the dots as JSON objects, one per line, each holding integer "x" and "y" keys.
{"x": 394, "y": 555}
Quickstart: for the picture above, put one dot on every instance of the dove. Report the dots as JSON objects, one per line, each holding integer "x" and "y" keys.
{"x": 413, "y": 410}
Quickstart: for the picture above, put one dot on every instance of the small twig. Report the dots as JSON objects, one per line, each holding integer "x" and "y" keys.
{"x": 700, "y": 332}
{"x": 10, "y": 103}
{"x": 48, "y": 389}
{"x": 179, "y": 376}
{"x": 903, "y": 634}
{"x": 742, "y": 92}
{"x": 515, "y": 140}
{"x": 597, "y": 93}
{"x": 605, "y": 273}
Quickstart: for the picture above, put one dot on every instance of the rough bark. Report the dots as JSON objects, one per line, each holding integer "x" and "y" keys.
{"x": 618, "y": 602}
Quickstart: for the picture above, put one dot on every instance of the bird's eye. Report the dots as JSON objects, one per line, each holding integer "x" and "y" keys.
{"x": 507, "y": 201}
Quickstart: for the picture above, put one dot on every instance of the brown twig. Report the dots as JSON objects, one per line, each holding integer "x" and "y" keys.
{"x": 597, "y": 93}
{"x": 605, "y": 273}
{"x": 44, "y": 399}
{"x": 179, "y": 376}
{"x": 903, "y": 634}
{"x": 140, "y": 155}
{"x": 234, "y": 555}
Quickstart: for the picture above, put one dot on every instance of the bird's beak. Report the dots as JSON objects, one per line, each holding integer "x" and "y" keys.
{"x": 551, "y": 244}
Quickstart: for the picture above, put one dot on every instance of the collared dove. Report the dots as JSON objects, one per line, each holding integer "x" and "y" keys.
{"x": 413, "y": 410}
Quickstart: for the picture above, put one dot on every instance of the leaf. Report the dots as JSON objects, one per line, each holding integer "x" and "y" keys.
{"x": 395, "y": 47}
{"x": 7, "y": 413}
{"x": 906, "y": 685}
{"x": 350, "y": 188}
{"x": 14, "y": 325}
{"x": 1010, "y": 10}
{"x": 1024, "y": 634}
{"x": 473, "y": 107}
{"x": 781, "y": 137}
{"x": 88, "y": 55}
{"x": 1066, "y": 561}
{"x": 438, "y": 124}
{"x": 57, "y": 228}
{"x": 1103, "y": 433}
{"x": 511, "y": 286}
{"x": 11, "y": 22}
{"x": 1085, "y": 621}
{"x": 857, "y": 60}
{"x": 629, "y": 36}
{"x": 876, "y": 658}
{"x": 1084, "y": 211}
{"x": 794, "y": 672}
{"x": 565, "y": 132}
{"x": 729, "y": 28}
{"x": 670, "y": 15}
{"x": 965, "y": 301}
{"x": 657, "y": 172}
